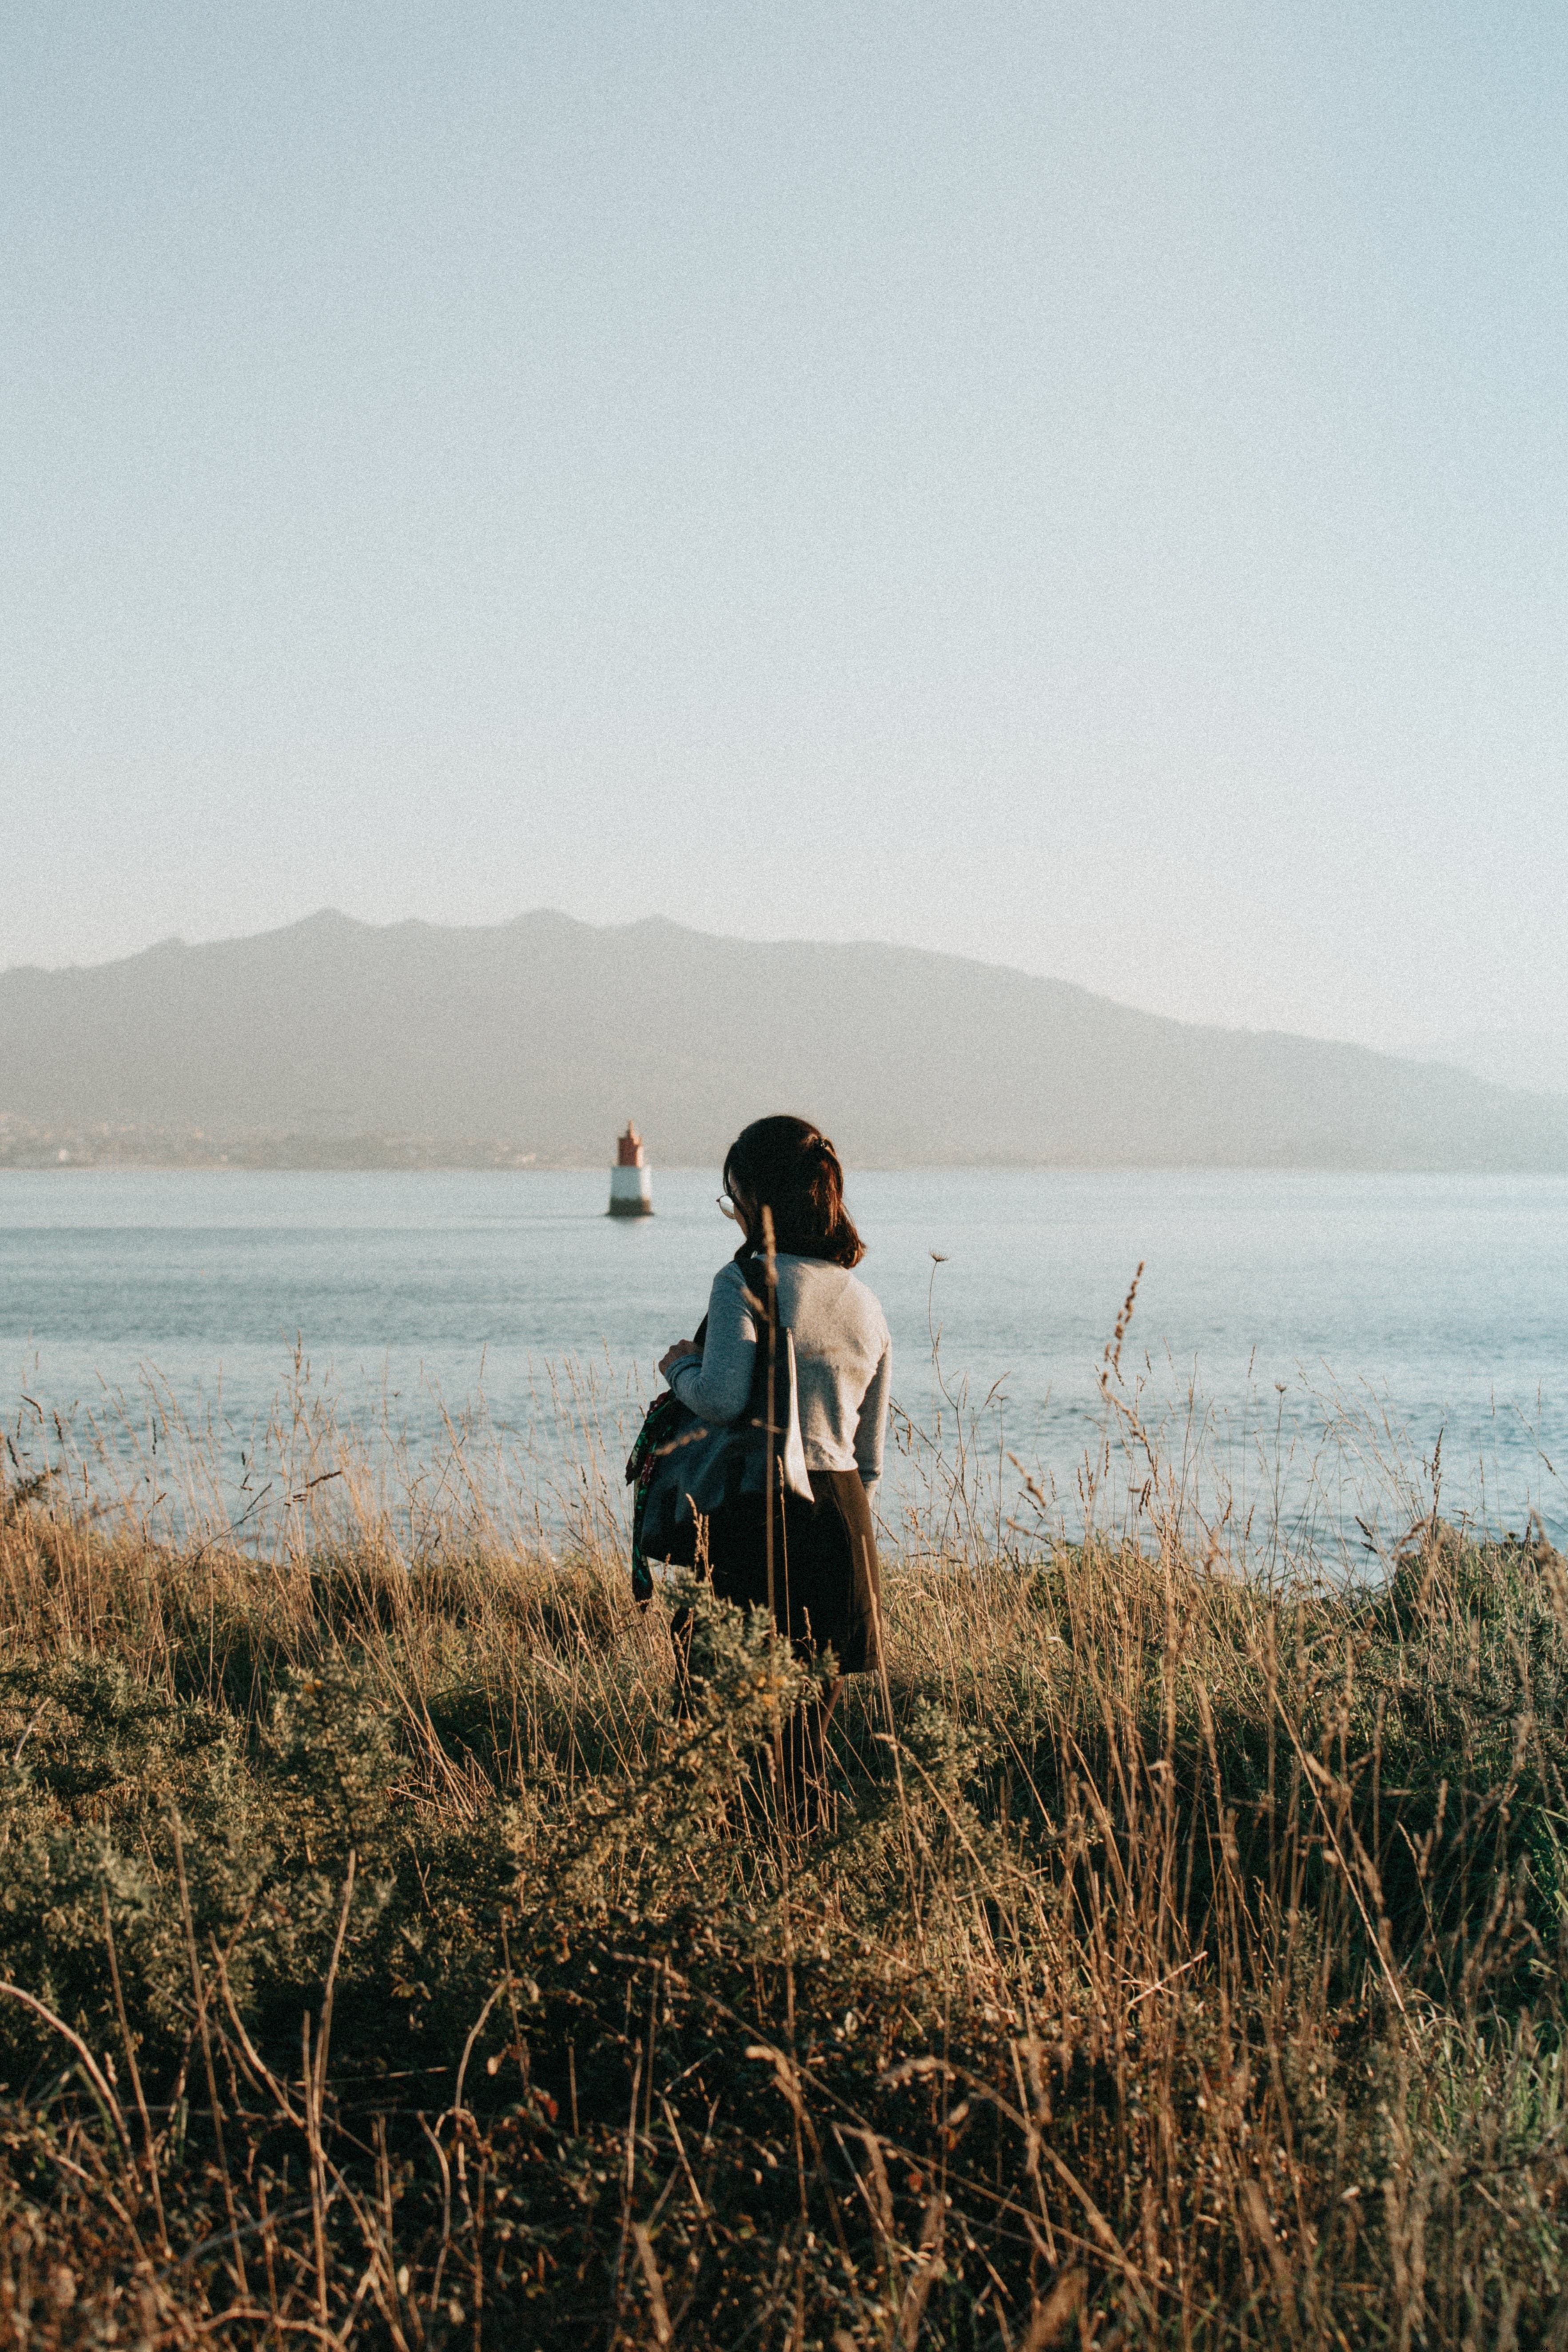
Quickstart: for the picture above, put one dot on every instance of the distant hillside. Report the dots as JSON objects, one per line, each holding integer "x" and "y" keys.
{"x": 337, "y": 1041}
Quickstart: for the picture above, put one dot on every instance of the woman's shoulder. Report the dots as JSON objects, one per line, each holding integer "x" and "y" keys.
{"x": 866, "y": 1297}
{"x": 851, "y": 1294}
{"x": 735, "y": 1279}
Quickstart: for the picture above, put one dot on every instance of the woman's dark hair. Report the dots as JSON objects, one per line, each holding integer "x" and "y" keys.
{"x": 790, "y": 1167}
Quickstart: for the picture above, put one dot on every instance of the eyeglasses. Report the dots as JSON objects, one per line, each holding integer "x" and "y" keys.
{"x": 726, "y": 1207}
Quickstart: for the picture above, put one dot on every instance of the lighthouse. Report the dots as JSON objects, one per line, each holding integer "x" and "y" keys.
{"x": 631, "y": 1180}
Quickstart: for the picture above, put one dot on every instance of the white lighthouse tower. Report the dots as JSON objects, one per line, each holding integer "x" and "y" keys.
{"x": 631, "y": 1180}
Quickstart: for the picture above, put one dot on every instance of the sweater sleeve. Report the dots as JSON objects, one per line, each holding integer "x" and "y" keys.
{"x": 717, "y": 1386}
{"x": 871, "y": 1430}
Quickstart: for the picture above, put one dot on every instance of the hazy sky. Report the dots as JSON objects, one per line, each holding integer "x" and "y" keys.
{"x": 1079, "y": 486}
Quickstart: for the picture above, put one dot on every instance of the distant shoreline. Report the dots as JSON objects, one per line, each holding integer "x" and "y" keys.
{"x": 434, "y": 1160}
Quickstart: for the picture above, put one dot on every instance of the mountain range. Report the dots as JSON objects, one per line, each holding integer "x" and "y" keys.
{"x": 340, "y": 1042}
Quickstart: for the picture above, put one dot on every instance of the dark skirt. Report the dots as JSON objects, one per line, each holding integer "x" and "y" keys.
{"x": 826, "y": 1592}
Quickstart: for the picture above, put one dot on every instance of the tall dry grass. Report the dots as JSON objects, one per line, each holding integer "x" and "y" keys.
{"x": 384, "y": 1963}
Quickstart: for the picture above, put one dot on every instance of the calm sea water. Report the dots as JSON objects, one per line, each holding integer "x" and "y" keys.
{"x": 1297, "y": 1332}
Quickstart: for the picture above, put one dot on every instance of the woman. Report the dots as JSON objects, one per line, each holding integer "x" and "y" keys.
{"x": 825, "y": 1594}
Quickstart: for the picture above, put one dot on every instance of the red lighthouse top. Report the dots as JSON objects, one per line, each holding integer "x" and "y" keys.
{"x": 629, "y": 1150}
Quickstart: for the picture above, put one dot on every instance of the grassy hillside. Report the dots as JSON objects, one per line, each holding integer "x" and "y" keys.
{"x": 383, "y": 1965}
{"x": 541, "y": 1036}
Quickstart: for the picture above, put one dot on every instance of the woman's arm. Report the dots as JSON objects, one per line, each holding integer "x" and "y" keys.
{"x": 718, "y": 1385}
{"x": 871, "y": 1430}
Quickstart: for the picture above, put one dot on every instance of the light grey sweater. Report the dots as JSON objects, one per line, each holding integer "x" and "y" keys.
{"x": 843, "y": 1361}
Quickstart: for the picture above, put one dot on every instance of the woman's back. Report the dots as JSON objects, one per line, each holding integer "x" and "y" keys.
{"x": 843, "y": 1356}
{"x": 843, "y": 1360}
